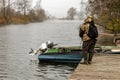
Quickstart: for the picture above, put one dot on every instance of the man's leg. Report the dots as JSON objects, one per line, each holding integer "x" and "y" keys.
{"x": 85, "y": 52}
{"x": 91, "y": 50}
{"x": 90, "y": 58}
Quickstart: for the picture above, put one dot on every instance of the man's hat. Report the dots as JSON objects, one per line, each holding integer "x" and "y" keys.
{"x": 89, "y": 16}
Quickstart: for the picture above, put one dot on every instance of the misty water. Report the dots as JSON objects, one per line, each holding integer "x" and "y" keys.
{"x": 15, "y": 44}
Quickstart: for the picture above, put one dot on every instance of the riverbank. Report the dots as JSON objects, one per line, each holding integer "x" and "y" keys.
{"x": 103, "y": 67}
{"x": 106, "y": 37}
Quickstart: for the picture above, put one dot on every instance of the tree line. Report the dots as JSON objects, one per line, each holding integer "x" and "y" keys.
{"x": 107, "y": 13}
{"x": 20, "y": 11}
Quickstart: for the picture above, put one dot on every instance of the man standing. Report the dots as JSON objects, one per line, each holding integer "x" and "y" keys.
{"x": 88, "y": 33}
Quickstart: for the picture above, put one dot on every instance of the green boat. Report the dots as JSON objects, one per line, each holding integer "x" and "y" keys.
{"x": 62, "y": 55}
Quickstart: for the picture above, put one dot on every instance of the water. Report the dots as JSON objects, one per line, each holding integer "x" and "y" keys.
{"x": 16, "y": 41}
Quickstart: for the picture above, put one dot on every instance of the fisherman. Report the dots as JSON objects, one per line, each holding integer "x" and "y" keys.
{"x": 88, "y": 36}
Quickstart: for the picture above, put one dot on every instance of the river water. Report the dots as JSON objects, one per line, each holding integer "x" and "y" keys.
{"x": 16, "y": 41}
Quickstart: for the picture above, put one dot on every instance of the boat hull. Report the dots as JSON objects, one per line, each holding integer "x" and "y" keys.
{"x": 71, "y": 57}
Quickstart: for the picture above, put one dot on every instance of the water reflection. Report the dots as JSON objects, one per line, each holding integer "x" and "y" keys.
{"x": 51, "y": 71}
{"x": 54, "y": 71}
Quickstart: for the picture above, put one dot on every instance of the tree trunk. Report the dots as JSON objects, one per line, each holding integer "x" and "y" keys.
{"x": 4, "y": 11}
{"x": 9, "y": 12}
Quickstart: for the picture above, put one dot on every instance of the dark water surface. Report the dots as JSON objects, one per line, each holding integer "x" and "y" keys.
{"x": 16, "y": 41}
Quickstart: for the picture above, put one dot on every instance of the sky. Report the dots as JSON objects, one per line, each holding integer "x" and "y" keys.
{"x": 59, "y": 8}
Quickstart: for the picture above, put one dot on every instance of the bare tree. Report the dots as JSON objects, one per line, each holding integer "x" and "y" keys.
{"x": 8, "y": 11}
{"x": 38, "y": 5}
{"x": 71, "y": 13}
{"x": 20, "y": 11}
{"x": 4, "y": 9}
{"x": 23, "y": 6}
{"x": 40, "y": 13}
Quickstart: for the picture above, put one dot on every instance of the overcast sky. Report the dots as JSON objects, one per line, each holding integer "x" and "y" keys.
{"x": 58, "y": 8}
